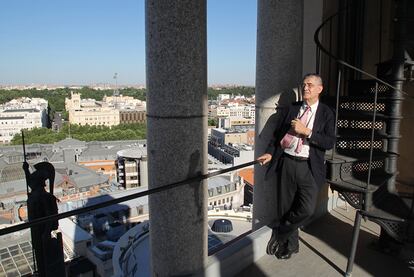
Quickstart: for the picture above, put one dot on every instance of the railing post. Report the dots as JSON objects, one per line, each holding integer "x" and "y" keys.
{"x": 338, "y": 91}
{"x": 368, "y": 196}
{"x": 354, "y": 244}
{"x": 394, "y": 110}
{"x": 330, "y": 51}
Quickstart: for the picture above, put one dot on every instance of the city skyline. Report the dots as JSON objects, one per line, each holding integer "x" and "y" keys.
{"x": 86, "y": 42}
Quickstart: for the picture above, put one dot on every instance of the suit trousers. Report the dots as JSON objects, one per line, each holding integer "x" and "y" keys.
{"x": 297, "y": 196}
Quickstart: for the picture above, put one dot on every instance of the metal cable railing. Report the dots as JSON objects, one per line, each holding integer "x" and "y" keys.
{"x": 200, "y": 177}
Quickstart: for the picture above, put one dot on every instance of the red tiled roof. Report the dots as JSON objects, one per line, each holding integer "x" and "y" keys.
{"x": 248, "y": 175}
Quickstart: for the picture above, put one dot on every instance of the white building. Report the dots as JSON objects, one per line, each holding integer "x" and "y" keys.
{"x": 100, "y": 113}
{"x": 132, "y": 167}
{"x": 88, "y": 112}
{"x": 223, "y": 96}
{"x": 23, "y": 113}
{"x": 124, "y": 102}
{"x": 234, "y": 111}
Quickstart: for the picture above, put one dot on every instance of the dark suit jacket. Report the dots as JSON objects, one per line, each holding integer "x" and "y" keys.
{"x": 322, "y": 138}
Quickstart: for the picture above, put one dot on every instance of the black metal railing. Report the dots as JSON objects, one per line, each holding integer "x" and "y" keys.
{"x": 82, "y": 210}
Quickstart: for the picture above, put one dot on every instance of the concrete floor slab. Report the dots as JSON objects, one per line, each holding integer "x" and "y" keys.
{"x": 324, "y": 248}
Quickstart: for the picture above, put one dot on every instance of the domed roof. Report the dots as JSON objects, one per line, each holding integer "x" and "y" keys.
{"x": 222, "y": 226}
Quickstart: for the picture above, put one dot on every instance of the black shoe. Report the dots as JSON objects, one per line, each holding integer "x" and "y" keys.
{"x": 285, "y": 253}
{"x": 273, "y": 244}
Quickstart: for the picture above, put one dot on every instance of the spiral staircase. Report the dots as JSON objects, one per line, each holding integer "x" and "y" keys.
{"x": 362, "y": 168}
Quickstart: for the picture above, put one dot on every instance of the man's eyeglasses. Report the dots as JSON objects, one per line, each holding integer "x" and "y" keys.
{"x": 310, "y": 85}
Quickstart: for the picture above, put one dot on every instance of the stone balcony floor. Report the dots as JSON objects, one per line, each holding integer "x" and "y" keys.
{"x": 324, "y": 248}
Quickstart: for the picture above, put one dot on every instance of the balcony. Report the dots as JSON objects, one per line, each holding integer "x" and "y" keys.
{"x": 325, "y": 242}
{"x": 324, "y": 245}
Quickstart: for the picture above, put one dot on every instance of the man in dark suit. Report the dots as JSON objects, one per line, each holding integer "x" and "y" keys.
{"x": 304, "y": 131}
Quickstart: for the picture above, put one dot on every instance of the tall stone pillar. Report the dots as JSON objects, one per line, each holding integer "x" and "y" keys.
{"x": 176, "y": 66}
{"x": 278, "y": 72}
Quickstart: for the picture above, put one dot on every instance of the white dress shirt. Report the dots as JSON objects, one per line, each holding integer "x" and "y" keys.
{"x": 309, "y": 124}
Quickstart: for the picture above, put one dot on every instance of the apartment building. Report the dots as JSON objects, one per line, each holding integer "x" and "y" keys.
{"x": 22, "y": 113}
{"x": 111, "y": 111}
{"x": 132, "y": 167}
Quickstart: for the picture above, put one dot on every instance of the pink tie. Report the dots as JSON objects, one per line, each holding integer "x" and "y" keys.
{"x": 288, "y": 138}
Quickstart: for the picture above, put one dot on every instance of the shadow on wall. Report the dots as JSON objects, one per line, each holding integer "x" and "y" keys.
{"x": 264, "y": 175}
{"x": 285, "y": 99}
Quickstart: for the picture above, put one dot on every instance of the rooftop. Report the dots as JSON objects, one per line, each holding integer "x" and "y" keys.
{"x": 30, "y": 110}
{"x": 11, "y": 117}
{"x": 248, "y": 175}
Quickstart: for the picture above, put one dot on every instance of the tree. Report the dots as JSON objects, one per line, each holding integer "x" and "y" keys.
{"x": 84, "y": 133}
{"x": 212, "y": 122}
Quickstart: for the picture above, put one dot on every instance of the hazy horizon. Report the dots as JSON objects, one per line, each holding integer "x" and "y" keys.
{"x": 85, "y": 42}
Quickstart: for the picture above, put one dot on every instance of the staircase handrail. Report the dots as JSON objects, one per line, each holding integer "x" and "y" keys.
{"x": 340, "y": 61}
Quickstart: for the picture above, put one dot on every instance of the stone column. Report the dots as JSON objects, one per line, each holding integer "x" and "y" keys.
{"x": 278, "y": 72}
{"x": 176, "y": 66}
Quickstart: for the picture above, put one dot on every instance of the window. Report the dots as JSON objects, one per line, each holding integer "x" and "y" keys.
{"x": 140, "y": 210}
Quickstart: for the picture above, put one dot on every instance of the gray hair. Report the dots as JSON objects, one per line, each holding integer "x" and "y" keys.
{"x": 317, "y": 76}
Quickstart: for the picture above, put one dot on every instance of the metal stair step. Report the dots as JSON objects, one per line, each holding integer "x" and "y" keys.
{"x": 331, "y": 100}
{"x": 352, "y": 103}
{"x": 354, "y": 191}
{"x": 360, "y": 184}
{"x": 347, "y": 186}
{"x": 359, "y": 144}
{"x": 393, "y": 212}
{"x": 363, "y": 115}
{"x": 390, "y": 206}
{"x": 367, "y": 87}
{"x": 350, "y": 173}
{"x": 365, "y": 124}
{"x": 347, "y": 133}
{"x": 361, "y": 154}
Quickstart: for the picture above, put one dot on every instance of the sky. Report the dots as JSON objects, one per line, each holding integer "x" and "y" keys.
{"x": 83, "y": 42}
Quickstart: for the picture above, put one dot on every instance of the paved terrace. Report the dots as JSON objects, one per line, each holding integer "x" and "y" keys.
{"x": 324, "y": 247}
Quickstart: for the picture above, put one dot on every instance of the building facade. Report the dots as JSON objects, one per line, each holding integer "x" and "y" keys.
{"x": 111, "y": 111}
{"x": 132, "y": 167}
{"x": 19, "y": 114}
{"x": 127, "y": 116}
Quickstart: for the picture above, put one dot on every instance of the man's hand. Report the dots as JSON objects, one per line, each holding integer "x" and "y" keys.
{"x": 299, "y": 128}
{"x": 264, "y": 159}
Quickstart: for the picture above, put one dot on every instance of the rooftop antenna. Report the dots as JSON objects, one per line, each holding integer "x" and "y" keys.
{"x": 116, "y": 92}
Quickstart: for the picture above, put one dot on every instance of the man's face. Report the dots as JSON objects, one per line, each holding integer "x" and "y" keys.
{"x": 311, "y": 88}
